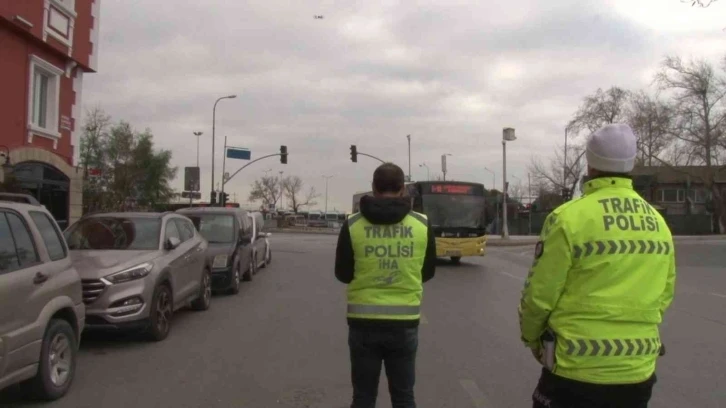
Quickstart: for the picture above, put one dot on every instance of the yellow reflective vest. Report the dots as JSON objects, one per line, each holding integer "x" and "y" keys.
{"x": 388, "y": 262}
{"x": 603, "y": 276}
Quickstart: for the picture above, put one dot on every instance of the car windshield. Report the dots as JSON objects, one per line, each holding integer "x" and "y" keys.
{"x": 215, "y": 228}
{"x": 454, "y": 211}
{"x": 121, "y": 233}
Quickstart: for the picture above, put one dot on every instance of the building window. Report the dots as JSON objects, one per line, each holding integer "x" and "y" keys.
{"x": 699, "y": 195}
{"x": 44, "y": 99}
{"x": 671, "y": 195}
{"x": 60, "y": 16}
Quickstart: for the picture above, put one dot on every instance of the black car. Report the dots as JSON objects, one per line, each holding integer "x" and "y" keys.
{"x": 229, "y": 232}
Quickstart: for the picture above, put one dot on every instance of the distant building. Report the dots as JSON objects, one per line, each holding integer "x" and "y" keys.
{"x": 678, "y": 190}
{"x": 47, "y": 46}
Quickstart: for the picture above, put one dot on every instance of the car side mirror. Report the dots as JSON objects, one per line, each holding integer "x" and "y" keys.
{"x": 172, "y": 243}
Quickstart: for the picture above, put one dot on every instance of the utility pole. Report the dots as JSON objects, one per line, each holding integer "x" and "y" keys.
{"x": 214, "y": 121}
{"x": 280, "y": 183}
{"x": 224, "y": 164}
{"x": 326, "y": 194}
{"x": 197, "y": 134}
{"x": 409, "y": 156}
{"x": 529, "y": 193}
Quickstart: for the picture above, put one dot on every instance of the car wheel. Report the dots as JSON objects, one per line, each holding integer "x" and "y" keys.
{"x": 263, "y": 264}
{"x": 235, "y": 278}
{"x": 162, "y": 310}
{"x": 57, "y": 365}
{"x": 456, "y": 260}
{"x": 250, "y": 269}
{"x": 205, "y": 293}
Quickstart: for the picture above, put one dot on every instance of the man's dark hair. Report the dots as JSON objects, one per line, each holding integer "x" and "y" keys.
{"x": 388, "y": 178}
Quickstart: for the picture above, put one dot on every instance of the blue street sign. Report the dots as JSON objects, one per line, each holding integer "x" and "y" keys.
{"x": 238, "y": 153}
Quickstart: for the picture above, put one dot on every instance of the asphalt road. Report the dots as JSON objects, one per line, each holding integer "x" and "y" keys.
{"x": 282, "y": 342}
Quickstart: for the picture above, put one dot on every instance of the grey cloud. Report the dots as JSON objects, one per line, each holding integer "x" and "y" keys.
{"x": 452, "y": 76}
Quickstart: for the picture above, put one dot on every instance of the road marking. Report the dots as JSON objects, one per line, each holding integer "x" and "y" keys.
{"x": 477, "y": 397}
{"x": 423, "y": 319}
{"x": 718, "y": 294}
{"x": 519, "y": 278}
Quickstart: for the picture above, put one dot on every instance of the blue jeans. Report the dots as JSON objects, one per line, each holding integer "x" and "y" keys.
{"x": 372, "y": 347}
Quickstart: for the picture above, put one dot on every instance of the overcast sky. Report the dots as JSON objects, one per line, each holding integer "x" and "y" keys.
{"x": 450, "y": 73}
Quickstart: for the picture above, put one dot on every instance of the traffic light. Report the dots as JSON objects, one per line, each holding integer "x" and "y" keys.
{"x": 213, "y": 198}
{"x": 283, "y": 154}
{"x": 353, "y": 154}
{"x": 566, "y": 195}
{"x": 223, "y": 197}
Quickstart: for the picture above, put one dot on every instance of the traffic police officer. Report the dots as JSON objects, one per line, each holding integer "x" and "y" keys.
{"x": 602, "y": 278}
{"x": 384, "y": 254}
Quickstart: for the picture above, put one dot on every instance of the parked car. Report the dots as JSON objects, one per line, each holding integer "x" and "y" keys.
{"x": 229, "y": 234}
{"x": 260, "y": 242}
{"x": 41, "y": 302}
{"x": 137, "y": 269}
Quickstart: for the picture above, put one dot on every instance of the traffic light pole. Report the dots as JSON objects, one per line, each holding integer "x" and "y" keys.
{"x": 372, "y": 157}
{"x": 243, "y": 167}
{"x": 224, "y": 164}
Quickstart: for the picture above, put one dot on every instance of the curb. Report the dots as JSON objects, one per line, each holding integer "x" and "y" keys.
{"x": 700, "y": 238}
{"x": 497, "y": 241}
{"x": 302, "y": 231}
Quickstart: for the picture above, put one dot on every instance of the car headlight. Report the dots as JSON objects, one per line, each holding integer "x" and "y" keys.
{"x": 136, "y": 272}
{"x": 220, "y": 261}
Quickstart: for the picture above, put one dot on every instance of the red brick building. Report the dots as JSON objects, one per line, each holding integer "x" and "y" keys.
{"x": 46, "y": 46}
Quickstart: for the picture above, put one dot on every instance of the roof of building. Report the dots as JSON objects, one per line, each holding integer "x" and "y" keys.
{"x": 680, "y": 174}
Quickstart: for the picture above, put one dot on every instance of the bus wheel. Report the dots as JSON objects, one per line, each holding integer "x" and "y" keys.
{"x": 456, "y": 260}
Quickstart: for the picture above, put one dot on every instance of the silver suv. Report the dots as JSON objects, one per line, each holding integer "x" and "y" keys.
{"x": 138, "y": 269}
{"x": 41, "y": 305}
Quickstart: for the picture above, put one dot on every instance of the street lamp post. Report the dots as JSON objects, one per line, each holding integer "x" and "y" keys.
{"x": 443, "y": 163}
{"x": 494, "y": 187}
{"x": 326, "y": 195}
{"x": 507, "y": 136}
{"x": 214, "y": 120}
{"x": 564, "y": 160}
{"x": 428, "y": 171}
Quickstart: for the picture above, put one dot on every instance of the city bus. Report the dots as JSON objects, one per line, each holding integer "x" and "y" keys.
{"x": 456, "y": 211}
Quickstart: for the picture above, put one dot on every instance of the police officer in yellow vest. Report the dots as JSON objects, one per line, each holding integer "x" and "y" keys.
{"x": 602, "y": 279}
{"x": 385, "y": 253}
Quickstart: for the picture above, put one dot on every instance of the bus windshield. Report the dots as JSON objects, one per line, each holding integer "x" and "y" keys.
{"x": 454, "y": 211}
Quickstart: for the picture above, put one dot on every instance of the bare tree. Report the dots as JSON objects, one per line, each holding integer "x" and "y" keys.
{"x": 700, "y": 103}
{"x": 552, "y": 174}
{"x": 652, "y": 121}
{"x": 518, "y": 192}
{"x": 292, "y": 187}
{"x": 599, "y": 109}
{"x": 267, "y": 189}
{"x": 699, "y": 3}
{"x": 699, "y": 96}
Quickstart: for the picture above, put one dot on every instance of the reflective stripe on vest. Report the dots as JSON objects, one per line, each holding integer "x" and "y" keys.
{"x": 387, "y": 282}
{"x": 384, "y": 309}
{"x": 612, "y": 347}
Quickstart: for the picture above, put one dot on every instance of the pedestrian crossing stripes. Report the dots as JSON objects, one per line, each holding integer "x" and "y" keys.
{"x": 612, "y": 347}
{"x": 612, "y": 247}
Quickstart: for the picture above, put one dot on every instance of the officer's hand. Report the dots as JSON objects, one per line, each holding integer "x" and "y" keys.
{"x": 537, "y": 354}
